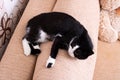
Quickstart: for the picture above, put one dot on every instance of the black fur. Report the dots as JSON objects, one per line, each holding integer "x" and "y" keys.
{"x": 34, "y": 51}
{"x": 60, "y": 23}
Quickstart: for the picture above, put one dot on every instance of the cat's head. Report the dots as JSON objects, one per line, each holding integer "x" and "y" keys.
{"x": 80, "y": 47}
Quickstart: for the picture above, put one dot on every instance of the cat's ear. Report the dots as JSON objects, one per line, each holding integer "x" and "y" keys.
{"x": 91, "y": 52}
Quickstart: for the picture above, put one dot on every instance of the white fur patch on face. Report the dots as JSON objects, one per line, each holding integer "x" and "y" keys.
{"x": 50, "y": 61}
{"x": 71, "y": 50}
{"x": 26, "y": 47}
{"x": 43, "y": 36}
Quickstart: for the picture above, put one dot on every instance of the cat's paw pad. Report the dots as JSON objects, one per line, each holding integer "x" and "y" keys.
{"x": 49, "y": 65}
{"x": 26, "y": 47}
{"x": 50, "y": 62}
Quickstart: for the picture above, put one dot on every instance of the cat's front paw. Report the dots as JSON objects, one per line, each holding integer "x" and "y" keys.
{"x": 26, "y": 47}
{"x": 50, "y": 62}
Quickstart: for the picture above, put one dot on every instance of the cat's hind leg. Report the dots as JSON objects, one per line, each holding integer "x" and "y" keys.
{"x": 35, "y": 49}
{"x": 30, "y": 48}
{"x": 26, "y": 47}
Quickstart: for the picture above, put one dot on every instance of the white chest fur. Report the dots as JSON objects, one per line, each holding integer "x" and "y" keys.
{"x": 43, "y": 36}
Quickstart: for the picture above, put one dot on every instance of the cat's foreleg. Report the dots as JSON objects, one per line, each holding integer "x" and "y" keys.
{"x": 54, "y": 51}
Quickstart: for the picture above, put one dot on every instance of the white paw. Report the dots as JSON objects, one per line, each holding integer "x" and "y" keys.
{"x": 50, "y": 62}
{"x": 26, "y": 47}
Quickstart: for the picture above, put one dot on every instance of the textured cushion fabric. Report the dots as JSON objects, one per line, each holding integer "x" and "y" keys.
{"x": 14, "y": 64}
{"x": 108, "y": 61}
{"x": 67, "y": 68}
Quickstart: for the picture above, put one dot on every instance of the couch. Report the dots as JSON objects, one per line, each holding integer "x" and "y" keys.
{"x": 107, "y": 64}
{"x": 16, "y": 66}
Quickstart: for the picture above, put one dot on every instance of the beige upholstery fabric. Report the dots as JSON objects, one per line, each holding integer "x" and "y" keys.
{"x": 67, "y": 68}
{"x": 14, "y": 64}
{"x": 108, "y": 61}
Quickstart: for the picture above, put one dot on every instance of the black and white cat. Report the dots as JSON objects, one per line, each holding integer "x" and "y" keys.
{"x": 65, "y": 32}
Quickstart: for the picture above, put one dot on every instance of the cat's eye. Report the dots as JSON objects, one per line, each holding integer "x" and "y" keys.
{"x": 78, "y": 51}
